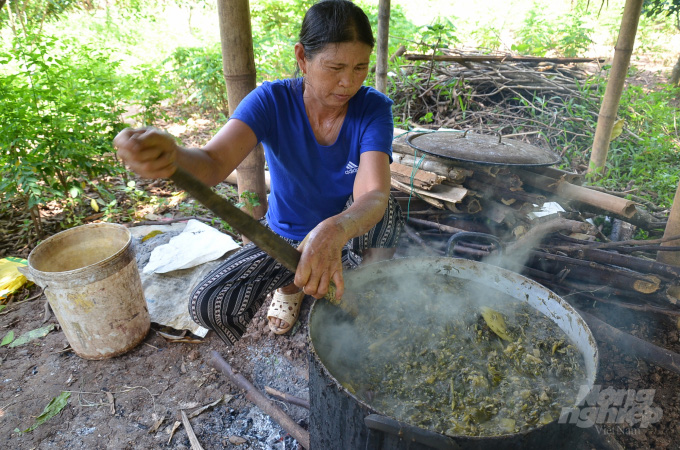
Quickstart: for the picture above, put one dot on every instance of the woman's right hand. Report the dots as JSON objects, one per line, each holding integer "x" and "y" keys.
{"x": 149, "y": 152}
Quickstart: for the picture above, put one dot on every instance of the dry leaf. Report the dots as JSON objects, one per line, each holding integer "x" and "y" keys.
{"x": 195, "y": 445}
{"x": 111, "y": 402}
{"x": 156, "y": 425}
{"x": 152, "y": 234}
{"x": 226, "y": 399}
{"x": 617, "y": 129}
{"x": 188, "y": 405}
{"x": 237, "y": 440}
{"x": 172, "y": 431}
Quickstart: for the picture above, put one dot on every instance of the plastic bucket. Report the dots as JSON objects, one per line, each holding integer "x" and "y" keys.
{"x": 90, "y": 277}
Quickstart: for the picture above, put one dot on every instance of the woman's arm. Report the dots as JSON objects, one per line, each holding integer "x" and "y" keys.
{"x": 152, "y": 153}
{"x": 320, "y": 262}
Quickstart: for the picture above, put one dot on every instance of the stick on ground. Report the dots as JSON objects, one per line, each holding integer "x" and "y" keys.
{"x": 293, "y": 400}
{"x": 262, "y": 402}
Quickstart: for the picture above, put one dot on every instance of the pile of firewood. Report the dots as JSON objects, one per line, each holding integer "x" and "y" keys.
{"x": 560, "y": 248}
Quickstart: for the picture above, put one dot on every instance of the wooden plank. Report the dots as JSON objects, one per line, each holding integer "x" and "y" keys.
{"x": 441, "y": 192}
{"x": 421, "y": 179}
{"x": 406, "y": 188}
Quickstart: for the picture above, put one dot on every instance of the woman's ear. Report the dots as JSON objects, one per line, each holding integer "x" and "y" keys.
{"x": 300, "y": 57}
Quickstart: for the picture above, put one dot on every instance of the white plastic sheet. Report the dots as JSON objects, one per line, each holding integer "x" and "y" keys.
{"x": 197, "y": 244}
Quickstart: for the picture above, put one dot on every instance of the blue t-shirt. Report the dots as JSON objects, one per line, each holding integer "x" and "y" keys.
{"x": 311, "y": 182}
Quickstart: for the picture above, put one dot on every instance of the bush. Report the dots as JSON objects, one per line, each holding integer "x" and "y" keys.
{"x": 60, "y": 112}
{"x": 567, "y": 35}
{"x": 200, "y": 71}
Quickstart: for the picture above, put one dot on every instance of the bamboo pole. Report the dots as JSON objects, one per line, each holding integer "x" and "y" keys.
{"x": 382, "y": 47}
{"x": 672, "y": 229}
{"x": 239, "y": 72}
{"x": 612, "y": 94}
{"x": 500, "y": 58}
{"x": 567, "y": 191}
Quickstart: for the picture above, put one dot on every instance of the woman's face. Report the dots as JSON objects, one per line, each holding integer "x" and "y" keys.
{"x": 334, "y": 74}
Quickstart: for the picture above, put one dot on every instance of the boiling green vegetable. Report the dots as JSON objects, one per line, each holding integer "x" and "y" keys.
{"x": 439, "y": 360}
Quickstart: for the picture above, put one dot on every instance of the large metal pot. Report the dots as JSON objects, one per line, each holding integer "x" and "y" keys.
{"x": 340, "y": 420}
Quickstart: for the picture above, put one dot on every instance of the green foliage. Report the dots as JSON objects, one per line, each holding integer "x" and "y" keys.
{"x": 568, "y": 34}
{"x": 275, "y": 25}
{"x": 32, "y": 14}
{"x": 146, "y": 90}
{"x": 60, "y": 112}
{"x": 649, "y": 158}
{"x": 535, "y": 36}
{"x": 656, "y": 8}
{"x": 487, "y": 36}
{"x": 440, "y": 34}
{"x": 201, "y": 73}
{"x": 573, "y": 34}
{"x": 53, "y": 408}
{"x": 249, "y": 200}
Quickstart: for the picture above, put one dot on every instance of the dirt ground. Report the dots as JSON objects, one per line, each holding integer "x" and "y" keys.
{"x": 154, "y": 381}
{"x": 159, "y": 378}
{"x": 134, "y": 401}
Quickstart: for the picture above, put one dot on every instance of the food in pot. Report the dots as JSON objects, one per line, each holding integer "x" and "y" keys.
{"x": 453, "y": 356}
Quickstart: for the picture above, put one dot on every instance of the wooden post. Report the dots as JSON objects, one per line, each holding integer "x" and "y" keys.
{"x": 612, "y": 95}
{"x": 239, "y": 73}
{"x": 382, "y": 47}
{"x": 672, "y": 229}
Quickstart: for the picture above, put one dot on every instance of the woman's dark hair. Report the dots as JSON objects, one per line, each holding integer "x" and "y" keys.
{"x": 331, "y": 22}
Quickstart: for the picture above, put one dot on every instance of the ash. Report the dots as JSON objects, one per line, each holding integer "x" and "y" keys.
{"x": 263, "y": 365}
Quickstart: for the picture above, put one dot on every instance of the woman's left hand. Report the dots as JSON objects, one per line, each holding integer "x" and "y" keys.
{"x": 321, "y": 260}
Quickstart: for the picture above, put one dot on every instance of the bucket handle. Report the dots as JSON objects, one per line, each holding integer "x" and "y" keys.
{"x": 377, "y": 422}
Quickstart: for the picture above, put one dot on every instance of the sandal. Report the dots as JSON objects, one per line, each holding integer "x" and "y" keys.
{"x": 285, "y": 307}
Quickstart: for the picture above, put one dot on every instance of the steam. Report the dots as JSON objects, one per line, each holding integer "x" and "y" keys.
{"x": 388, "y": 314}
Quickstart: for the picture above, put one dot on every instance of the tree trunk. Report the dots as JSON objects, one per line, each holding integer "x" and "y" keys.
{"x": 383, "y": 49}
{"x": 672, "y": 229}
{"x": 675, "y": 74}
{"x": 612, "y": 95}
{"x": 239, "y": 73}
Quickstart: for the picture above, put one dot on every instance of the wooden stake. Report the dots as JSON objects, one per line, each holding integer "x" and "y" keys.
{"x": 612, "y": 94}
{"x": 672, "y": 229}
{"x": 239, "y": 73}
{"x": 439, "y": 226}
{"x": 382, "y": 45}
{"x": 419, "y": 178}
{"x": 596, "y": 273}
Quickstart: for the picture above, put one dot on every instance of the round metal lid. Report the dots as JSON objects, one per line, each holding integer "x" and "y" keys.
{"x": 481, "y": 149}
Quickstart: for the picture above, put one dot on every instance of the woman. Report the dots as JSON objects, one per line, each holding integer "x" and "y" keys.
{"x": 327, "y": 141}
